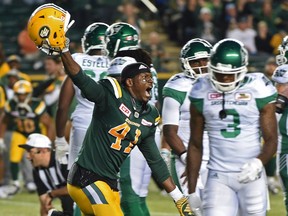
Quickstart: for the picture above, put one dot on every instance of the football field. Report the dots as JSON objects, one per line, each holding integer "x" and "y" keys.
{"x": 25, "y": 204}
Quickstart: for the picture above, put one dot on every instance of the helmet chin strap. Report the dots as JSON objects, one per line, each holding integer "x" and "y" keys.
{"x": 222, "y": 113}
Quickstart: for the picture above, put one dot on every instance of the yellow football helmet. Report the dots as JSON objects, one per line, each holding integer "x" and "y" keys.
{"x": 47, "y": 27}
{"x": 22, "y": 87}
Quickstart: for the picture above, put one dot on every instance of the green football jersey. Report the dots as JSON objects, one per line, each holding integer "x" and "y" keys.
{"x": 118, "y": 124}
{"x": 25, "y": 119}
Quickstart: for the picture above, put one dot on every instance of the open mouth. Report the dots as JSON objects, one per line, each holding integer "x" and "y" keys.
{"x": 148, "y": 92}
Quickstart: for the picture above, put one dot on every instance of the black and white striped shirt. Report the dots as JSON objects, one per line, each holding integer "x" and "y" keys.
{"x": 50, "y": 178}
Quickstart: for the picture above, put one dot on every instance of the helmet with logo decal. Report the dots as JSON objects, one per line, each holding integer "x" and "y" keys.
{"x": 47, "y": 27}
{"x": 193, "y": 50}
{"x": 282, "y": 57}
{"x": 93, "y": 37}
{"x": 228, "y": 57}
{"x": 22, "y": 87}
{"x": 121, "y": 36}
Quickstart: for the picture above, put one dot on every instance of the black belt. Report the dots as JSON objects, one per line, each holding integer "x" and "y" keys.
{"x": 81, "y": 177}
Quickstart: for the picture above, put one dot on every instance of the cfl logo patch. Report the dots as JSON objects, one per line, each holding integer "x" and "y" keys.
{"x": 44, "y": 32}
{"x": 125, "y": 110}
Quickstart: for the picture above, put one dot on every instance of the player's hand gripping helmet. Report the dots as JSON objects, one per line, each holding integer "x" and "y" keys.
{"x": 121, "y": 36}
{"x": 194, "y": 49}
{"x": 47, "y": 27}
{"x": 228, "y": 57}
{"x": 282, "y": 57}
{"x": 22, "y": 87}
{"x": 93, "y": 37}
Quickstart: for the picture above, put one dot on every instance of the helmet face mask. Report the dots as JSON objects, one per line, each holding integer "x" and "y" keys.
{"x": 120, "y": 36}
{"x": 47, "y": 27}
{"x": 93, "y": 37}
{"x": 282, "y": 57}
{"x": 195, "y": 49}
{"x": 228, "y": 65}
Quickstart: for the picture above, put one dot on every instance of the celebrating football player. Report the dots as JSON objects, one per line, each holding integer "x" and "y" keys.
{"x": 122, "y": 118}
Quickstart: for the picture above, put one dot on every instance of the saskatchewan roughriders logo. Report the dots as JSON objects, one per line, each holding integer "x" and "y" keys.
{"x": 44, "y": 32}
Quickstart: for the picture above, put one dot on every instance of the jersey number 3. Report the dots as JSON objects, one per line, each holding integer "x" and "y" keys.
{"x": 120, "y": 133}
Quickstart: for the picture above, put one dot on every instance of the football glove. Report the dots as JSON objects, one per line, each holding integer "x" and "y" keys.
{"x": 183, "y": 157}
{"x": 62, "y": 148}
{"x": 2, "y": 146}
{"x": 195, "y": 204}
{"x": 166, "y": 155}
{"x": 250, "y": 171}
{"x": 183, "y": 207}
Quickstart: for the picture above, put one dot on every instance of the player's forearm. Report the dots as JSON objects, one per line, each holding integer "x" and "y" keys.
{"x": 269, "y": 133}
{"x": 61, "y": 120}
{"x": 71, "y": 67}
{"x": 174, "y": 141}
{"x": 194, "y": 158}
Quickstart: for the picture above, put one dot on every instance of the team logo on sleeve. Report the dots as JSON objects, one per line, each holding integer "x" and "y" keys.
{"x": 243, "y": 96}
{"x": 124, "y": 110}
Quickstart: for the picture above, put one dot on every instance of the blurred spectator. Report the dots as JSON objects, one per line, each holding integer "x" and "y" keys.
{"x": 281, "y": 20}
{"x": 190, "y": 20}
{"x": 263, "y": 38}
{"x": 268, "y": 13}
{"x": 14, "y": 62}
{"x": 244, "y": 34}
{"x": 55, "y": 70}
{"x": 4, "y": 67}
{"x": 277, "y": 38}
{"x": 206, "y": 29}
{"x": 245, "y": 8}
{"x": 156, "y": 50}
{"x": 229, "y": 17}
{"x": 27, "y": 46}
{"x": 270, "y": 67}
{"x": 129, "y": 15}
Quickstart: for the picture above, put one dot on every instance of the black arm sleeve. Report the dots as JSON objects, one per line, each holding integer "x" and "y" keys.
{"x": 40, "y": 89}
{"x": 91, "y": 90}
{"x": 152, "y": 155}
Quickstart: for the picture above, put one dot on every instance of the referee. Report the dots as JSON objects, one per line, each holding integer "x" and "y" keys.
{"x": 49, "y": 175}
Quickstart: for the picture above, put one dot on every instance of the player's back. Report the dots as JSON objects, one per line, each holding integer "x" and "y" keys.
{"x": 96, "y": 68}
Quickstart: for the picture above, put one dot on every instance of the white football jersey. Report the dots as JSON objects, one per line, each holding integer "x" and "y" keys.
{"x": 235, "y": 139}
{"x": 178, "y": 88}
{"x": 96, "y": 67}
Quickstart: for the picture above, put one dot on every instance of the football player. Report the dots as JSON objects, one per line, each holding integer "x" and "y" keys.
{"x": 95, "y": 65}
{"x": 280, "y": 77}
{"x": 122, "y": 118}
{"x": 25, "y": 114}
{"x": 235, "y": 108}
{"x": 194, "y": 57}
{"x": 122, "y": 42}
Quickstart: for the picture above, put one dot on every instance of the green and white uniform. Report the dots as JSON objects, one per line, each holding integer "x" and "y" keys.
{"x": 176, "y": 111}
{"x": 116, "y": 128}
{"x": 95, "y": 67}
{"x": 233, "y": 141}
